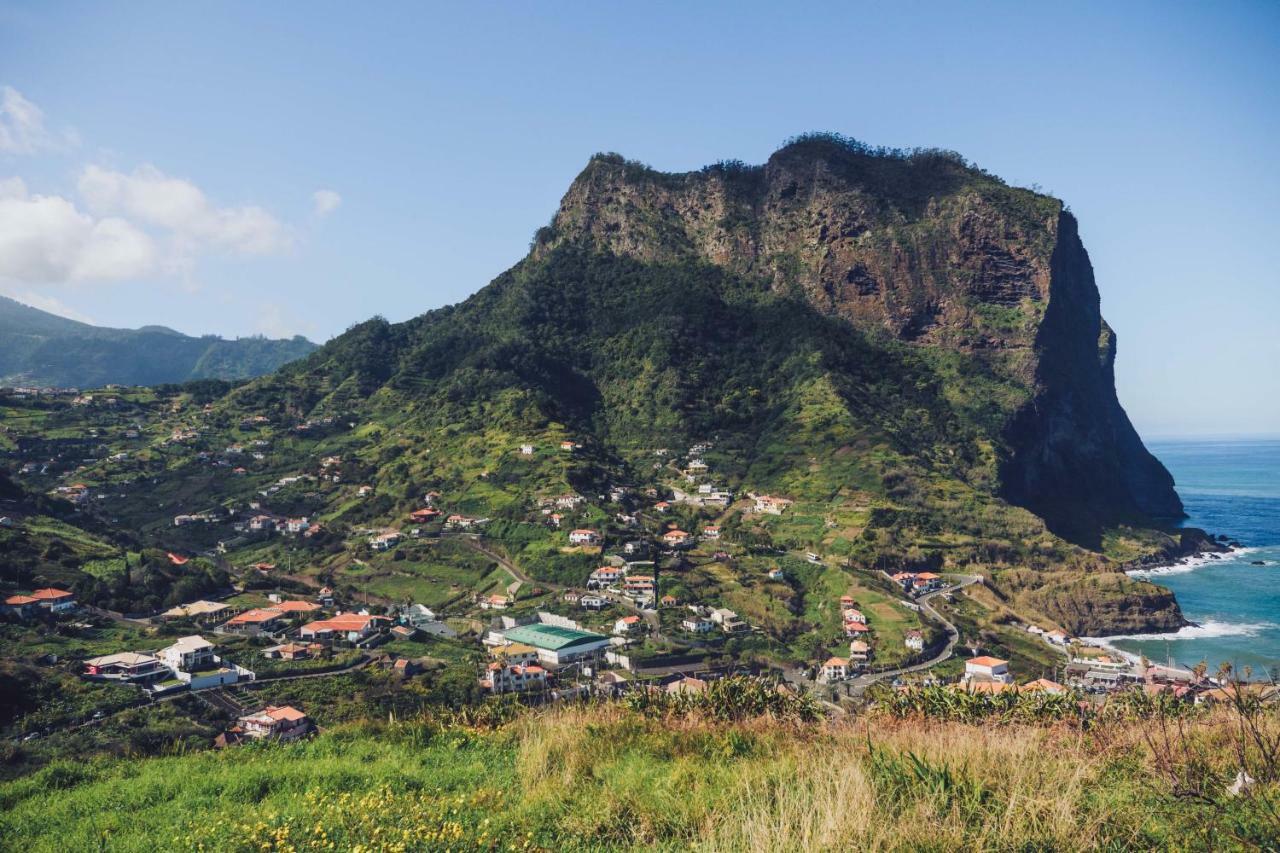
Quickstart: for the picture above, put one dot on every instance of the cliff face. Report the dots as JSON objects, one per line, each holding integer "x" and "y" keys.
{"x": 927, "y": 250}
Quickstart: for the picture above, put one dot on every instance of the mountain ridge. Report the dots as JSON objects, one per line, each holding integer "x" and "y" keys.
{"x": 928, "y": 384}
{"x": 40, "y": 348}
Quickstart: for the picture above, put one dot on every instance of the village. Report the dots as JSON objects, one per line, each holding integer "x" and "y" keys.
{"x": 666, "y": 583}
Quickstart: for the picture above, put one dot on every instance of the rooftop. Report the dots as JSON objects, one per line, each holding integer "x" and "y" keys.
{"x": 551, "y": 637}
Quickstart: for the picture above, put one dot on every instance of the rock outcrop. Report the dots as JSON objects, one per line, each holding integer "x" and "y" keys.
{"x": 933, "y": 252}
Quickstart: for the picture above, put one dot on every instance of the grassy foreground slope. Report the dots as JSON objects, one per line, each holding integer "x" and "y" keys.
{"x": 606, "y": 777}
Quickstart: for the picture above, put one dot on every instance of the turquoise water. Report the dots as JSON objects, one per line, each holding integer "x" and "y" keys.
{"x": 1230, "y": 487}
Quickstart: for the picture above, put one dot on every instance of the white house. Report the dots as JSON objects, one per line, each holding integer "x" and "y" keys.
{"x": 626, "y": 625}
{"x": 985, "y": 668}
{"x": 514, "y": 678}
{"x": 728, "y": 621}
{"x": 55, "y": 600}
{"x": 914, "y": 641}
{"x": 835, "y": 669}
{"x": 771, "y": 505}
{"x": 697, "y": 625}
{"x": 189, "y": 653}
{"x": 584, "y": 537}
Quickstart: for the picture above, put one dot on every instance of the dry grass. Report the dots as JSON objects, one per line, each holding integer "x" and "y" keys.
{"x": 608, "y": 777}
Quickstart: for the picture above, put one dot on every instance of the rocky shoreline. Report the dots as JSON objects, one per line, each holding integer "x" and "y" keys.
{"x": 1193, "y": 544}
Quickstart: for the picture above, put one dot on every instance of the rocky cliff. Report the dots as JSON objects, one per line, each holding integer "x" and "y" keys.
{"x": 926, "y": 249}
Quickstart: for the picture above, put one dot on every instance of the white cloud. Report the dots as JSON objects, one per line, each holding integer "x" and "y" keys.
{"x": 22, "y": 127}
{"x": 325, "y": 202}
{"x": 46, "y": 239}
{"x": 180, "y": 207}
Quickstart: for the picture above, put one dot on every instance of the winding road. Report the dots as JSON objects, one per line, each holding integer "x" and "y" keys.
{"x": 858, "y": 685}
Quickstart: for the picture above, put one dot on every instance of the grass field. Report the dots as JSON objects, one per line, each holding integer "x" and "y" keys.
{"x": 608, "y": 778}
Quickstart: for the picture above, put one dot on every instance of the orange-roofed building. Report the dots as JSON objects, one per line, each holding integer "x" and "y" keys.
{"x": 352, "y": 627}
{"x": 1043, "y": 685}
{"x": 21, "y": 606}
{"x": 986, "y": 668}
{"x": 295, "y": 607}
{"x": 835, "y": 669}
{"x": 584, "y": 537}
{"x": 256, "y": 621}
{"x": 55, "y": 600}
{"x": 675, "y": 538}
{"x": 276, "y": 723}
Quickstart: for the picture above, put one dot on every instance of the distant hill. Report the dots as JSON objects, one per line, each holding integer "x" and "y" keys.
{"x": 40, "y": 348}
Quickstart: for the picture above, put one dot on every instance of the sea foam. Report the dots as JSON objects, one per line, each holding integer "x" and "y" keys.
{"x": 1190, "y": 564}
{"x": 1208, "y": 629}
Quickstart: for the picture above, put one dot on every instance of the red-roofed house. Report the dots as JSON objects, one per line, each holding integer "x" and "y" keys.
{"x": 260, "y": 620}
{"x": 626, "y": 624}
{"x": 985, "y": 668}
{"x": 835, "y": 669}
{"x": 276, "y": 723}
{"x": 584, "y": 537}
{"x": 55, "y": 600}
{"x": 518, "y": 678}
{"x": 295, "y": 607}
{"x": 676, "y": 538}
{"x": 352, "y": 627}
{"x": 21, "y": 606}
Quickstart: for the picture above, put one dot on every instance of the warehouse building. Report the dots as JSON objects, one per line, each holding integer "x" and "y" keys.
{"x": 556, "y": 644}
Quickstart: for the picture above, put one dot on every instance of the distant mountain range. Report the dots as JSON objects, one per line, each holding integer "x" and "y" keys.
{"x": 40, "y": 348}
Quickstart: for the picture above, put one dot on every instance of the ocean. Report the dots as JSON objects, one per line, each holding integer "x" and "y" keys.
{"x": 1230, "y": 487}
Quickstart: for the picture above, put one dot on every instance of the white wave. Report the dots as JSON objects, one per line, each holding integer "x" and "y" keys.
{"x": 1190, "y": 564}
{"x": 1208, "y": 629}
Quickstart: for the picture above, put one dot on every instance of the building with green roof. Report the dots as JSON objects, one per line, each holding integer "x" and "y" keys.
{"x": 557, "y": 645}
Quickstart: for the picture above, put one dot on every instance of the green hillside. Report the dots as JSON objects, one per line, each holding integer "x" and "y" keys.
{"x": 662, "y": 313}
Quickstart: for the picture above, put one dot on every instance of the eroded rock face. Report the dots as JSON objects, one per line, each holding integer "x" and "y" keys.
{"x": 932, "y": 252}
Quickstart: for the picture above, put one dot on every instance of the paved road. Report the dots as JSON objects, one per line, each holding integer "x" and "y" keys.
{"x": 861, "y": 683}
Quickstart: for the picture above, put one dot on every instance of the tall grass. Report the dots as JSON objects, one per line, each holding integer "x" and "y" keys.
{"x": 604, "y": 776}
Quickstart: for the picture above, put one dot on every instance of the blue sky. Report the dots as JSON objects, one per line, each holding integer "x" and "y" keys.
{"x": 170, "y": 173}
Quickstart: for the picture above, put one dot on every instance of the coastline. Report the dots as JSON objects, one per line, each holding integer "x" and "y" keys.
{"x": 1190, "y": 563}
{"x": 1229, "y": 551}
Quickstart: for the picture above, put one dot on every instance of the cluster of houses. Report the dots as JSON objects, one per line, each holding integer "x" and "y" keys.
{"x": 918, "y": 583}
{"x": 190, "y": 663}
{"x": 49, "y": 600}
{"x": 770, "y": 505}
{"x": 642, "y": 589}
{"x": 706, "y": 619}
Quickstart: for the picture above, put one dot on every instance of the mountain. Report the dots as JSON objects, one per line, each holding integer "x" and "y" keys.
{"x": 39, "y": 348}
{"x": 902, "y": 345}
